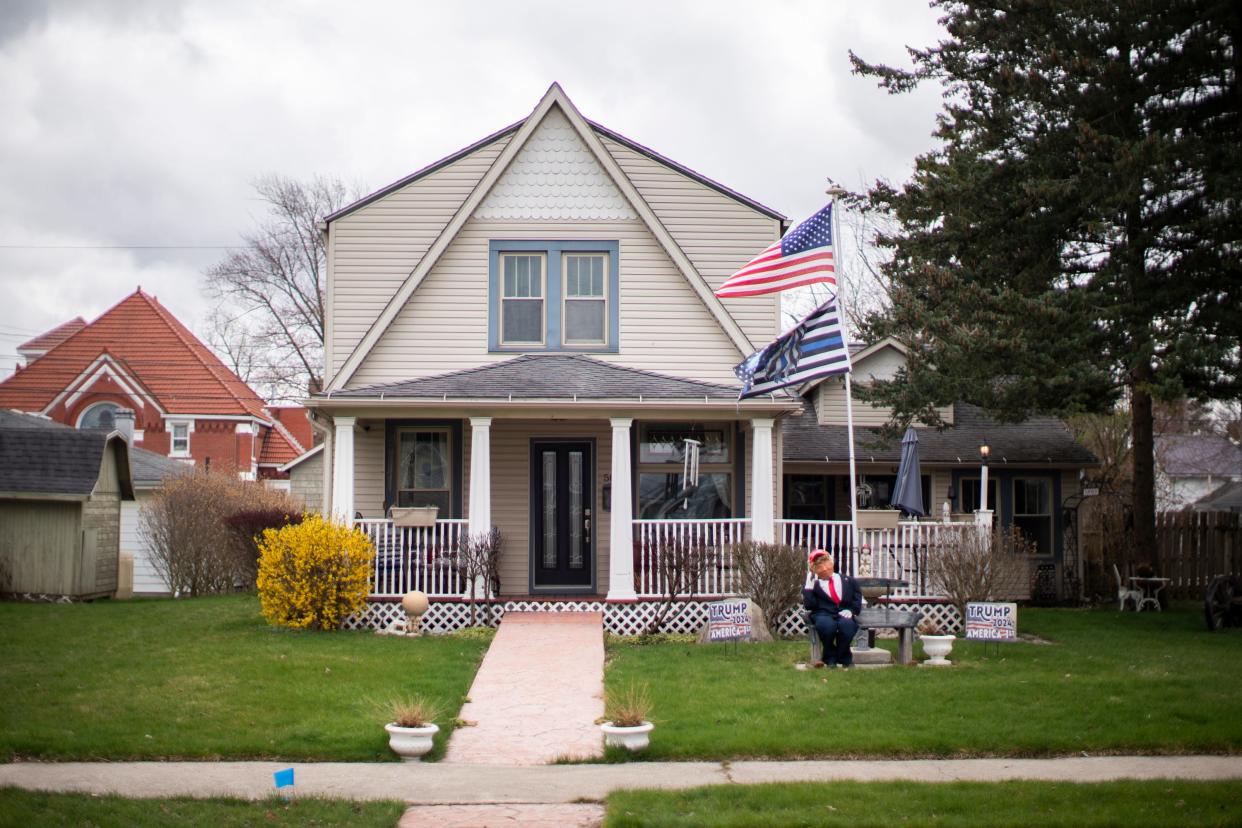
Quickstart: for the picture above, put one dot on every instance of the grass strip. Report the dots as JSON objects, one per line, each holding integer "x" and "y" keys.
{"x": 856, "y": 804}
{"x": 27, "y": 808}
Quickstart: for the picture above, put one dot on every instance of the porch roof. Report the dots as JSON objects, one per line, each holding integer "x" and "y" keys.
{"x": 1037, "y": 441}
{"x": 556, "y": 378}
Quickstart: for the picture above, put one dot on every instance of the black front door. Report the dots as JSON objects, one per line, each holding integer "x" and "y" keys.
{"x": 561, "y": 518}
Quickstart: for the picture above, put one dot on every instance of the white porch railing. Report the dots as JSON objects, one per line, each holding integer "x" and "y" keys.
{"x": 831, "y": 535}
{"x": 653, "y": 537}
{"x": 415, "y": 557}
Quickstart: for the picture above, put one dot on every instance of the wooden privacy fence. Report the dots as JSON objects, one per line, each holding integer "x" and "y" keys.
{"x": 1194, "y": 547}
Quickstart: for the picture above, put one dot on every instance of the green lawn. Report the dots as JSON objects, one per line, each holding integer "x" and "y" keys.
{"x": 26, "y": 808}
{"x": 1110, "y": 683}
{"x": 1155, "y": 803}
{"x": 208, "y": 678}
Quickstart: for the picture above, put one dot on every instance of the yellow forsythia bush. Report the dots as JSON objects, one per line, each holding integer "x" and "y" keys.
{"x": 313, "y": 574}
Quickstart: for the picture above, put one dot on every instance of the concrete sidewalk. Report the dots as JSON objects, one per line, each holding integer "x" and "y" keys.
{"x": 441, "y": 783}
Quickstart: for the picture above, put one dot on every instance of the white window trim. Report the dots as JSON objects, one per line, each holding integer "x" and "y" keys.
{"x": 566, "y": 298}
{"x": 92, "y": 407}
{"x": 543, "y": 298}
{"x": 172, "y": 436}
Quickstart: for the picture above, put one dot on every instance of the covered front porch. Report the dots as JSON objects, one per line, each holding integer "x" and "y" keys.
{"x": 580, "y": 465}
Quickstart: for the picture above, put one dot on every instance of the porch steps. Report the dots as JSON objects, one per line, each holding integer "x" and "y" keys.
{"x": 538, "y": 693}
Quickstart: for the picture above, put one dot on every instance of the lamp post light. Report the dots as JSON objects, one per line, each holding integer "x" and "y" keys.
{"x": 984, "y": 451}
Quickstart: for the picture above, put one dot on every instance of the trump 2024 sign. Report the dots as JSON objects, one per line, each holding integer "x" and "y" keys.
{"x": 991, "y": 621}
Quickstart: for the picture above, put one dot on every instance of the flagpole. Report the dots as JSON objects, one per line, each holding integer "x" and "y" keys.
{"x": 836, "y": 193}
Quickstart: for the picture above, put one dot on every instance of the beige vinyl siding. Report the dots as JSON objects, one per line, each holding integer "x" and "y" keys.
{"x": 510, "y": 449}
{"x": 717, "y": 233}
{"x": 664, "y": 326}
{"x": 369, "y": 469}
{"x": 375, "y": 248}
{"x": 830, "y": 407}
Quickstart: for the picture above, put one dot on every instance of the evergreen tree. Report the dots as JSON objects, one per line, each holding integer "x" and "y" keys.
{"x": 1075, "y": 238}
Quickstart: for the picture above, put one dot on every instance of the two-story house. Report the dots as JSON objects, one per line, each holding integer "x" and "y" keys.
{"x": 524, "y": 334}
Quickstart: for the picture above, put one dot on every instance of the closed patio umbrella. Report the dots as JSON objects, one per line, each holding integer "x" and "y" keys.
{"x": 908, "y": 491}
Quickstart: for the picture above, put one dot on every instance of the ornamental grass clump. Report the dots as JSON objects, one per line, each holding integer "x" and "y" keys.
{"x": 630, "y": 707}
{"x": 313, "y": 574}
{"x": 414, "y": 711}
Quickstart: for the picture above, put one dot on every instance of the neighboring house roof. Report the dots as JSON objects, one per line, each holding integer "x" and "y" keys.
{"x": 1043, "y": 440}
{"x": 45, "y": 342}
{"x": 554, "y": 97}
{"x": 543, "y": 377}
{"x": 1198, "y": 455}
{"x": 289, "y": 437}
{"x": 140, "y": 338}
{"x": 38, "y": 457}
{"x": 1228, "y": 498}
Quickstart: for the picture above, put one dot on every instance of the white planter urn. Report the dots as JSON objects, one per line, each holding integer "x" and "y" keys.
{"x": 630, "y": 738}
{"x": 937, "y": 647}
{"x": 411, "y": 743}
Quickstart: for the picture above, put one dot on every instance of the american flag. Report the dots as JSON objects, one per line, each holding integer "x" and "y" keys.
{"x": 802, "y": 257}
{"x": 813, "y": 348}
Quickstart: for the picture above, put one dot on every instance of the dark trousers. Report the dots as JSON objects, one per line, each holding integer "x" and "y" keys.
{"x": 836, "y": 634}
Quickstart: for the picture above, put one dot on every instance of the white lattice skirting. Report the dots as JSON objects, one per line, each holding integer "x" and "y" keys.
{"x": 619, "y": 618}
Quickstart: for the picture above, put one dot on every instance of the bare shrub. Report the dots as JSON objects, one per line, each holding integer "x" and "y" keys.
{"x": 248, "y": 526}
{"x": 771, "y": 575}
{"x": 679, "y": 565}
{"x": 983, "y": 566}
{"x": 185, "y": 525}
{"x": 479, "y": 560}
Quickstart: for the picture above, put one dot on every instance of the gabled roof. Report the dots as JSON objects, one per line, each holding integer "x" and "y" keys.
{"x": 150, "y": 345}
{"x": 554, "y": 97}
{"x": 1198, "y": 455}
{"x": 1039, "y": 440}
{"x": 42, "y": 458}
{"x": 289, "y": 437}
{"x": 45, "y": 342}
{"x": 1228, "y": 498}
{"x": 546, "y": 377}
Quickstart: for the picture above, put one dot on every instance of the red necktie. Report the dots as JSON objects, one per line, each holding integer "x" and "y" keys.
{"x": 832, "y": 590}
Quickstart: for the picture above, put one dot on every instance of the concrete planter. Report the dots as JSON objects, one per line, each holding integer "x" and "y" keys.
{"x": 631, "y": 738}
{"x": 411, "y": 743}
{"x": 415, "y": 515}
{"x": 937, "y": 647}
{"x": 877, "y": 518}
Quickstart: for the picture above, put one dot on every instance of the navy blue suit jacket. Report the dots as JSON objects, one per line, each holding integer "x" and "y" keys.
{"x": 817, "y": 600}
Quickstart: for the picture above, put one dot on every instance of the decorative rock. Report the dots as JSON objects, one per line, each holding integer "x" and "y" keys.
{"x": 758, "y": 626}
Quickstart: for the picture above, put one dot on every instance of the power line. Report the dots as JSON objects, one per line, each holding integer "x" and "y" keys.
{"x": 122, "y": 246}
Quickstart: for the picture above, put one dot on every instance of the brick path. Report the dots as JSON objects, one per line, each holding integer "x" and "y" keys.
{"x": 538, "y": 693}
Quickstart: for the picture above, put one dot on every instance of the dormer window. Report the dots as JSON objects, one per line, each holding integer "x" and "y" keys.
{"x": 553, "y": 296}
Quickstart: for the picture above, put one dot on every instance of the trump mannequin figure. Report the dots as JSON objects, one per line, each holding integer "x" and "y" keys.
{"x": 834, "y": 601}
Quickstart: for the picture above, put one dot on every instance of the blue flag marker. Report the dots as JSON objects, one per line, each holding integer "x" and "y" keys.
{"x": 284, "y": 778}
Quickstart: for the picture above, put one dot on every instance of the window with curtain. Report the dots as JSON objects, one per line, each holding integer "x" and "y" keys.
{"x": 424, "y": 468}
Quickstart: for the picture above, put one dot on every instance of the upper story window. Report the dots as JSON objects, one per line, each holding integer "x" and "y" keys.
{"x": 553, "y": 296}
{"x": 522, "y": 315}
{"x": 179, "y": 439}
{"x": 100, "y": 415}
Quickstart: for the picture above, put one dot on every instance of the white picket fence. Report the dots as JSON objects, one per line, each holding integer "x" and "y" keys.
{"x": 653, "y": 538}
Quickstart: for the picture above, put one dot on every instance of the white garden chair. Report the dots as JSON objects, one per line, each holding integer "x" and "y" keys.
{"x": 1125, "y": 593}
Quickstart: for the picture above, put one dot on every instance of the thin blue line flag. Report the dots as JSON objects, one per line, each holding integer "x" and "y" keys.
{"x": 813, "y": 348}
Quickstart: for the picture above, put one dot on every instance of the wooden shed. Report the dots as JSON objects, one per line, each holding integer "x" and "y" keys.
{"x": 60, "y": 508}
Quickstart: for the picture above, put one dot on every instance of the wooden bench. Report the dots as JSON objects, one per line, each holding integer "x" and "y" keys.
{"x": 873, "y": 618}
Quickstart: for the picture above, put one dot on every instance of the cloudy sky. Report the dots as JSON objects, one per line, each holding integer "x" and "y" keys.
{"x": 131, "y": 132}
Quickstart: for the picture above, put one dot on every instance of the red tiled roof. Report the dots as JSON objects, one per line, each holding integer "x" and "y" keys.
{"x": 290, "y": 437}
{"x": 57, "y": 335}
{"x": 152, "y": 346}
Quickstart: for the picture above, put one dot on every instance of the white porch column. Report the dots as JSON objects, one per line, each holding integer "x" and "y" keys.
{"x": 762, "y": 527}
{"x": 480, "y": 475}
{"x": 343, "y": 469}
{"x": 621, "y": 535}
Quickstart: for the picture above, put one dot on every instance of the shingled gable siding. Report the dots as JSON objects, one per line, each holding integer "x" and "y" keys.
{"x": 664, "y": 326}
{"x": 375, "y": 248}
{"x": 719, "y": 234}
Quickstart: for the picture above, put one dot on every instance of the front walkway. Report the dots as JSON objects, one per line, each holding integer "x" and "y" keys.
{"x": 538, "y": 693}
